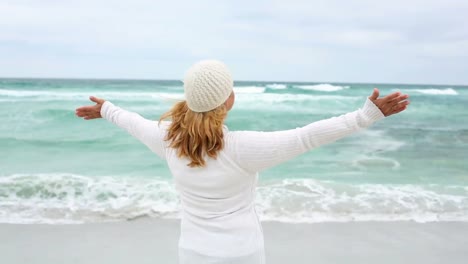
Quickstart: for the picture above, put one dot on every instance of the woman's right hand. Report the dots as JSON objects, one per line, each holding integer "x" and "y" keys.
{"x": 91, "y": 111}
{"x": 391, "y": 104}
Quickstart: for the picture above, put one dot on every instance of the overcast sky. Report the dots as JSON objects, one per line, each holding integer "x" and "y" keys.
{"x": 397, "y": 41}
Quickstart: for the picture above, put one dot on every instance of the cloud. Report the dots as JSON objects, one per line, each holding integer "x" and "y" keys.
{"x": 446, "y": 49}
{"x": 293, "y": 40}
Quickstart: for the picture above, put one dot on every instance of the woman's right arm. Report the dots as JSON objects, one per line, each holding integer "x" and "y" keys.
{"x": 146, "y": 131}
{"x": 256, "y": 151}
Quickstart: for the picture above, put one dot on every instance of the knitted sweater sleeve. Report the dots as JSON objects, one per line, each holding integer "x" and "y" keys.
{"x": 147, "y": 131}
{"x": 256, "y": 151}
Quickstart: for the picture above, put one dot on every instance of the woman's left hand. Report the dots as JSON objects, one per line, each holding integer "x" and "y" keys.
{"x": 391, "y": 104}
{"x": 91, "y": 111}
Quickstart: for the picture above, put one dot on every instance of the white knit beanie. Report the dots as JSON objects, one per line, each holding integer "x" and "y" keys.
{"x": 207, "y": 85}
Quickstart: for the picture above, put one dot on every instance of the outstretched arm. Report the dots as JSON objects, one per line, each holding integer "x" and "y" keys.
{"x": 147, "y": 131}
{"x": 256, "y": 151}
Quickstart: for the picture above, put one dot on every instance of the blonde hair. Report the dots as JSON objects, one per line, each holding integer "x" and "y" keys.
{"x": 195, "y": 134}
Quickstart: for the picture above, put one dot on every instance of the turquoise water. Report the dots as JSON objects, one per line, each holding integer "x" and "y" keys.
{"x": 57, "y": 168}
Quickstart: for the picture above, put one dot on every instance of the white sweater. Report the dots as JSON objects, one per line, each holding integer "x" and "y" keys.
{"x": 217, "y": 201}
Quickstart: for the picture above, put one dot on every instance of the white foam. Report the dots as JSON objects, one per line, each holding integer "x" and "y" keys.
{"x": 288, "y": 102}
{"x": 71, "y": 198}
{"x": 76, "y": 95}
{"x": 308, "y": 201}
{"x": 382, "y": 142}
{"x": 252, "y": 100}
{"x": 248, "y": 97}
{"x": 249, "y": 89}
{"x": 379, "y": 162}
{"x": 276, "y": 86}
{"x": 18, "y": 93}
{"x": 271, "y": 98}
{"x": 324, "y": 87}
{"x": 448, "y": 91}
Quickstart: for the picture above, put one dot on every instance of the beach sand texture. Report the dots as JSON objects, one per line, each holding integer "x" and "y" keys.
{"x": 155, "y": 241}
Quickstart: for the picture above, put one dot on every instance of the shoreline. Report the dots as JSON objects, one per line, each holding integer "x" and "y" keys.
{"x": 152, "y": 240}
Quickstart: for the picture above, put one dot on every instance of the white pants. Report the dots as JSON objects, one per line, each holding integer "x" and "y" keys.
{"x": 191, "y": 257}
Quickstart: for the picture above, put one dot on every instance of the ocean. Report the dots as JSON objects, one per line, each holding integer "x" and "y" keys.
{"x": 58, "y": 168}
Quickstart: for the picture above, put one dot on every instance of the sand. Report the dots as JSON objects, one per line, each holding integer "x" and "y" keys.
{"x": 155, "y": 241}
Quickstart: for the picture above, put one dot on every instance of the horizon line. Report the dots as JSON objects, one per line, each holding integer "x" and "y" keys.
{"x": 265, "y": 81}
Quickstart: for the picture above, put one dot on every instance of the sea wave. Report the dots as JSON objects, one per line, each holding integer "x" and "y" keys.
{"x": 291, "y": 101}
{"x": 331, "y": 201}
{"x": 249, "y": 89}
{"x": 323, "y": 87}
{"x": 447, "y": 91}
{"x": 245, "y": 94}
{"x": 276, "y": 86}
{"x": 14, "y": 95}
{"x": 71, "y": 198}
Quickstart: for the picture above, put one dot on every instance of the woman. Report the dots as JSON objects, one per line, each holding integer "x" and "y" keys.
{"x": 216, "y": 170}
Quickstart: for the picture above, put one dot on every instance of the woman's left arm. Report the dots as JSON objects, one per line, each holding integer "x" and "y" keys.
{"x": 147, "y": 131}
{"x": 256, "y": 151}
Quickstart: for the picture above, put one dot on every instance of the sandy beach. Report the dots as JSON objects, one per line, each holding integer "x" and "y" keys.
{"x": 155, "y": 241}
